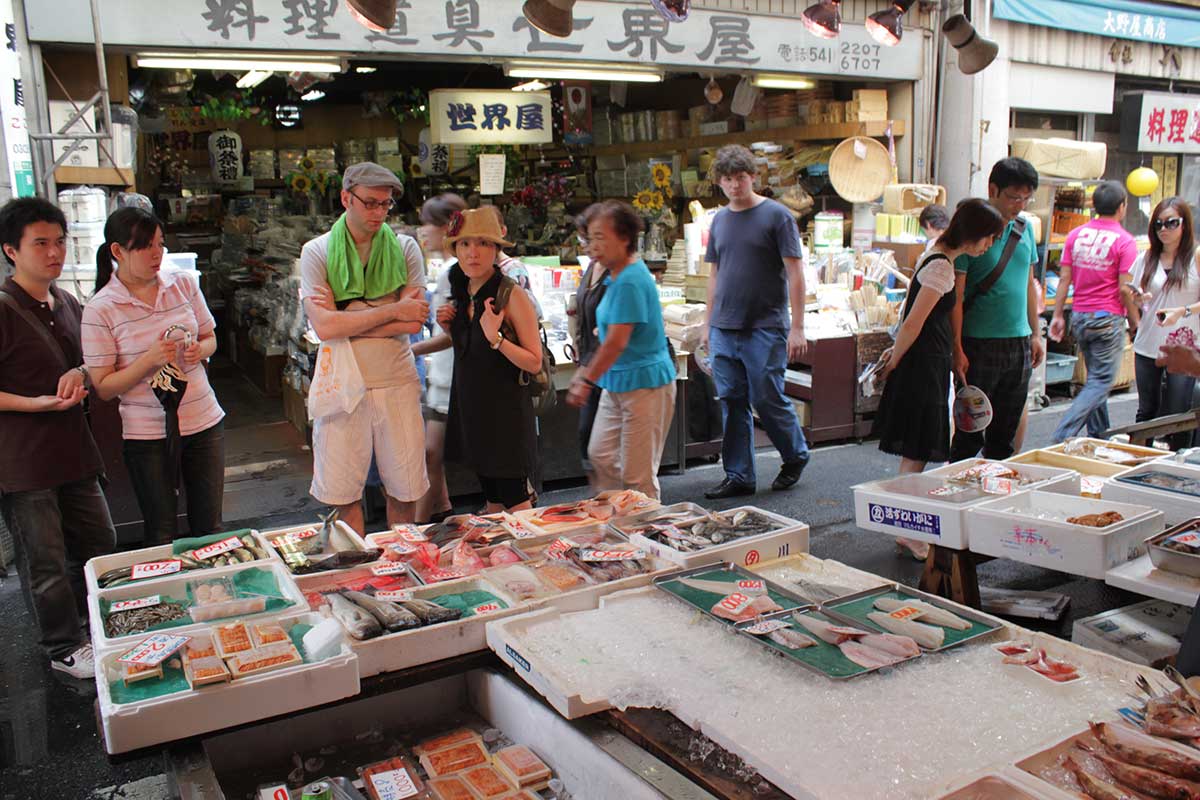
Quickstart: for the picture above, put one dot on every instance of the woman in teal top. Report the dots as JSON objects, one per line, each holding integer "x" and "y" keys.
{"x": 632, "y": 366}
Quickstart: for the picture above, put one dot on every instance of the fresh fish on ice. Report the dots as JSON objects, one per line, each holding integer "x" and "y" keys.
{"x": 1096, "y": 788}
{"x": 1134, "y": 748}
{"x": 327, "y": 526}
{"x": 928, "y": 636}
{"x": 929, "y": 613}
{"x": 357, "y": 621}
{"x": 723, "y": 588}
{"x": 430, "y": 613}
{"x": 390, "y": 615}
{"x": 1149, "y": 781}
{"x": 901, "y": 646}
{"x": 791, "y": 638}
{"x": 866, "y": 656}
{"x": 827, "y": 631}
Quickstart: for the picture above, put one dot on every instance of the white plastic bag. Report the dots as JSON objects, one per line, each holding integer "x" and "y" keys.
{"x": 337, "y": 386}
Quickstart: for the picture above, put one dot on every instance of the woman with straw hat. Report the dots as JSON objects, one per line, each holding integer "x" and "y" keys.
{"x": 490, "y": 425}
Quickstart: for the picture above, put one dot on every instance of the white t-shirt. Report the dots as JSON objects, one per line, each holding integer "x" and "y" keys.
{"x": 1150, "y": 335}
{"x": 382, "y": 362}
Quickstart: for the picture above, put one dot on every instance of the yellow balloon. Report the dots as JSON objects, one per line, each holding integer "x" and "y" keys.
{"x": 1142, "y": 182}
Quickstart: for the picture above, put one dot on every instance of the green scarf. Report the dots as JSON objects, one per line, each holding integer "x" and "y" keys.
{"x": 385, "y": 273}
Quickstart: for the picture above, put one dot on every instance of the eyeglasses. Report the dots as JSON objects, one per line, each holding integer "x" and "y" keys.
{"x": 1169, "y": 224}
{"x": 1025, "y": 200}
{"x": 375, "y": 205}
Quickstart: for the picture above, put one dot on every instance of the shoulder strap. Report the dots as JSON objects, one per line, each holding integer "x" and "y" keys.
{"x": 504, "y": 292}
{"x": 1010, "y": 246}
{"x": 38, "y": 328}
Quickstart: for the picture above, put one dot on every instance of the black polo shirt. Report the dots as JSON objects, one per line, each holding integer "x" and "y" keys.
{"x": 48, "y": 449}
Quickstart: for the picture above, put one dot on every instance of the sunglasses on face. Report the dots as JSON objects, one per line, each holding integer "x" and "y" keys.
{"x": 1168, "y": 224}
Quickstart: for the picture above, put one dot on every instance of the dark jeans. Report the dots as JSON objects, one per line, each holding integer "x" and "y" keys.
{"x": 1161, "y": 393}
{"x": 587, "y": 417}
{"x": 56, "y": 531}
{"x": 1001, "y": 368}
{"x": 202, "y": 465}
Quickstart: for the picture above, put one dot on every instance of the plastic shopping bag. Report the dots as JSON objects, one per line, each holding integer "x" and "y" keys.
{"x": 337, "y": 386}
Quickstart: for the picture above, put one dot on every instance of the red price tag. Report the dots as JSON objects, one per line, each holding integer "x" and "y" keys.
{"x": 558, "y": 549}
{"x": 907, "y": 612}
{"x": 389, "y": 569}
{"x": 438, "y": 574}
{"x": 141, "y": 602}
{"x": 394, "y": 595}
{"x": 152, "y": 651}
{"x": 517, "y": 528}
{"x": 217, "y": 548}
{"x": 611, "y": 555}
{"x": 155, "y": 569}
{"x": 1186, "y": 538}
{"x": 486, "y": 608}
{"x": 410, "y": 534}
{"x": 299, "y": 536}
{"x": 735, "y": 603}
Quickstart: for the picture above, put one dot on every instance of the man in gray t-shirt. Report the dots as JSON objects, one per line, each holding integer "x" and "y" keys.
{"x": 757, "y": 268}
{"x": 375, "y": 307}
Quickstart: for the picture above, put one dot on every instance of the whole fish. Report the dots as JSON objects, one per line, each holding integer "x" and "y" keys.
{"x": 1095, "y": 788}
{"x": 929, "y": 613}
{"x": 1132, "y": 751}
{"x": 791, "y": 638}
{"x": 901, "y": 646}
{"x": 1149, "y": 781}
{"x": 390, "y": 615}
{"x": 430, "y": 613}
{"x": 357, "y": 621}
{"x": 827, "y": 631}
{"x": 866, "y": 656}
{"x": 327, "y": 521}
{"x": 927, "y": 636}
{"x": 1165, "y": 717}
{"x": 340, "y": 560}
{"x": 723, "y": 587}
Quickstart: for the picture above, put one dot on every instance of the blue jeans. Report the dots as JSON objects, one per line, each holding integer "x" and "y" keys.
{"x": 1101, "y": 339}
{"x": 748, "y": 367}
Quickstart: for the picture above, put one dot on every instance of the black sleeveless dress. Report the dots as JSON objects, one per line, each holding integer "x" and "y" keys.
{"x": 490, "y": 424}
{"x": 913, "y": 420}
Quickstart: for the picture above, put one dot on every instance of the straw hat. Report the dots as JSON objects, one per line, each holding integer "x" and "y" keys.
{"x": 859, "y": 169}
{"x": 475, "y": 223}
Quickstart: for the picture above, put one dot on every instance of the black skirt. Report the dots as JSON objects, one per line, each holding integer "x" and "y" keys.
{"x": 913, "y": 420}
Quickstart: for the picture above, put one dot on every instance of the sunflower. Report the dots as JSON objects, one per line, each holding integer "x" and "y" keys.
{"x": 301, "y": 184}
{"x": 662, "y": 175}
{"x": 656, "y": 201}
{"x": 644, "y": 200}
{"x": 307, "y": 164}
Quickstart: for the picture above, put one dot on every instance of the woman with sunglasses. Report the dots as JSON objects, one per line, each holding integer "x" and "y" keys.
{"x": 1166, "y": 283}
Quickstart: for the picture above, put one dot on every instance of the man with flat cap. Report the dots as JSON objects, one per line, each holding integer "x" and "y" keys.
{"x": 362, "y": 282}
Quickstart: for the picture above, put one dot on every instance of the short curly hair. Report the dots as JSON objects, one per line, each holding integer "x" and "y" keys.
{"x": 732, "y": 159}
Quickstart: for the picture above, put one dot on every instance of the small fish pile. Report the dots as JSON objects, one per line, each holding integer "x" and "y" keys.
{"x": 600, "y": 508}
{"x": 140, "y": 620}
{"x": 868, "y": 650}
{"x": 365, "y": 617}
{"x": 693, "y": 533}
{"x": 483, "y": 531}
{"x": 603, "y": 566}
{"x": 1115, "y": 760}
{"x": 901, "y": 617}
{"x": 1101, "y": 520}
{"x": 249, "y": 551}
{"x": 1037, "y": 660}
{"x": 975, "y": 474}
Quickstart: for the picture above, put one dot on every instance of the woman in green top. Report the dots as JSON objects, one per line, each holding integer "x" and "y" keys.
{"x": 633, "y": 366}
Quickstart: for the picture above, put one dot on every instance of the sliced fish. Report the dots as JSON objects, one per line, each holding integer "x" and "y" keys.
{"x": 901, "y": 646}
{"x": 722, "y": 588}
{"x": 792, "y": 638}
{"x": 929, "y": 613}
{"x": 866, "y": 656}
{"x": 357, "y": 621}
{"x": 927, "y": 636}
{"x": 827, "y": 631}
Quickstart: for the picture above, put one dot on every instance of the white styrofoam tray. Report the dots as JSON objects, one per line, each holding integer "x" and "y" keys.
{"x": 1141, "y": 576}
{"x": 1008, "y": 783}
{"x": 1011, "y": 527}
{"x": 99, "y": 565}
{"x": 918, "y": 507}
{"x": 1176, "y": 507}
{"x": 790, "y": 537}
{"x": 163, "y": 719}
{"x": 176, "y": 586}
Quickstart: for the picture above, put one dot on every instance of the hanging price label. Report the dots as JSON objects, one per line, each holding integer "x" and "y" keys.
{"x": 766, "y": 626}
{"x": 154, "y": 650}
{"x": 141, "y": 602}
{"x": 395, "y": 784}
{"x": 217, "y": 548}
{"x": 394, "y": 595}
{"x": 389, "y": 569}
{"x": 486, "y": 608}
{"x": 907, "y": 612}
{"x": 155, "y": 569}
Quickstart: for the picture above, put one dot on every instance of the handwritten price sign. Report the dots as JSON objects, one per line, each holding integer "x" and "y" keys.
{"x": 735, "y": 603}
{"x": 611, "y": 555}
{"x": 154, "y": 650}
{"x": 402, "y": 548}
{"x": 438, "y": 574}
{"x": 994, "y": 485}
{"x": 141, "y": 602}
{"x": 155, "y": 569}
{"x": 408, "y": 533}
{"x": 299, "y": 536}
{"x": 394, "y": 595}
{"x": 396, "y": 784}
{"x": 389, "y": 569}
{"x": 751, "y": 586}
{"x": 217, "y": 548}
{"x": 486, "y": 608}
{"x": 558, "y": 549}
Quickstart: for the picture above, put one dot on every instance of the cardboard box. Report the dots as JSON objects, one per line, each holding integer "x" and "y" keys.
{"x": 86, "y": 155}
{"x": 1063, "y": 158}
{"x": 1146, "y": 633}
{"x": 875, "y": 99}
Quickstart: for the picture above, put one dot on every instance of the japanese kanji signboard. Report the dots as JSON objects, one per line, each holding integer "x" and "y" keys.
{"x": 1157, "y": 23}
{"x": 1168, "y": 123}
{"x": 490, "y": 117}
{"x": 629, "y": 32}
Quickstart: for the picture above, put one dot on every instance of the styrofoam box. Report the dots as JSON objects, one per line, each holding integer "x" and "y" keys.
{"x": 1176, "y": 507}
{"x": 881, "y": 506}
{"x": 1009, "y": 783}
{"x": 790, "y": 538}
{"x": 1011, "y": 527}
{"x": 86, "y": 155}
{"x": 99, "y": 565}
{"x": 210, "y": 708}
{"x": 1053, "y": 457}
{"x": 1144, "y": 633}
{"x": 176, "y": 586}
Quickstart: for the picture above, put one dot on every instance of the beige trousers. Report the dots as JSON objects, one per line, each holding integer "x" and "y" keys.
{"x": 628, "y": 438}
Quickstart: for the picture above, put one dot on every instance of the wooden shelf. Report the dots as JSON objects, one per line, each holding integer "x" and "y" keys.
{"x": 102, "y": 176}
{"x": 798, "y": 133}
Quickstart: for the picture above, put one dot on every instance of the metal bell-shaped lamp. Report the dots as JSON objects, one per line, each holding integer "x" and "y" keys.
{"x": 823, "y": 19}
{"x": 550, "y": 16}
{"x": 378, "y": 15}
{"x": 975, "y": 52}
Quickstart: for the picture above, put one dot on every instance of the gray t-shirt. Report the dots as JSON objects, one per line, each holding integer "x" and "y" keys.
{"x": 748, "y": 248}
{"x": 382, "y": 362}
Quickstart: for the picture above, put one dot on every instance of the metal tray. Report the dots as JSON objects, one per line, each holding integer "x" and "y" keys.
{"x": 1173, "y": 560}
{"x": 982, "y": 626}
{"x": 1141, "y": 479}
{"x": 821, "y": 647}
{"x": 772, "y": 587}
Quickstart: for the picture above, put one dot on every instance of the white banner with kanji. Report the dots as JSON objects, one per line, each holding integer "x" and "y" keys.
{"x": 1170, "y": 123}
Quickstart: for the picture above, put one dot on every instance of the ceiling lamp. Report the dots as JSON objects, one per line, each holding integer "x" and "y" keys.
{"x": 235, "y": 63}
{"x": 567, "y": 71}
{"x": 550, "y": 16}
{"x": 253, "y": 78}
{"x": 823, "y": 19}
{"x": 975, "y": 52}
{"x": 531, "y": 86}
{"x": 312, "y": 96}
{"x": 378, "y": 15}
{"x": 712, "y": 92}
{"x": 887, "y": 26}
{"x": 673, "y": 10}
{"x": 768, "y": 81}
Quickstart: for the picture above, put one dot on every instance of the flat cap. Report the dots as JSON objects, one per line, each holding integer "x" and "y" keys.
{"x": 368, "y": 173}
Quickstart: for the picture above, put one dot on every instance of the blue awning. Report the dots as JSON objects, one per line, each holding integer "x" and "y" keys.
{"x": 1156, "y": 23}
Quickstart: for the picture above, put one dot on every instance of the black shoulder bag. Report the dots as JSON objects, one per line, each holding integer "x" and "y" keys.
{"x": 1010, "y": 246}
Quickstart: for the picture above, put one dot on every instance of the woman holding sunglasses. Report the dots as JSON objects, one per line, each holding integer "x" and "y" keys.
{"x": 1168, "y": 286}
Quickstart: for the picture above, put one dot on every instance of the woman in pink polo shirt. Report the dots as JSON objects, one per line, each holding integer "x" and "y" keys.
{"x": 124, "y": 347}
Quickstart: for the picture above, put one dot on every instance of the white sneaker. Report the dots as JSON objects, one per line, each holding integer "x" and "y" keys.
{"x": 80, "y": 664}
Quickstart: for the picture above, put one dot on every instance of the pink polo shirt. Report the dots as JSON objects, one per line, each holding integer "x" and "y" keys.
{"x": 118, "y": 328}
{"x": 1098, "y": 254}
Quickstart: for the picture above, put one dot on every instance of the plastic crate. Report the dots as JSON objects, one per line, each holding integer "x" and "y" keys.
{"x": 1059, "y": 368}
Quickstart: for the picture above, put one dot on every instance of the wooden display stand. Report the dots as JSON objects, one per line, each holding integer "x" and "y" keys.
{"x": 829, "y": 385}
{"x": 951, "y": 573}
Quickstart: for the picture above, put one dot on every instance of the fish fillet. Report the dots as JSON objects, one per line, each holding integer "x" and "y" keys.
{"x": 792, "y": 639}
{"x": 929, "y": 613}
{"x": 867, "y": 657}
{"x": 745, "y": 611}
{"x": 901, "y": 646}
{"x": 826, "y": 631}
{"x": 927, "y": 636}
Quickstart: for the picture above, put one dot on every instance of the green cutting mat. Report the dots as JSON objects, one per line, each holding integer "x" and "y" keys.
{"x": 184, "y": 545}
{"x": 826, "y": 657}
{"x": 858, "y": 610}
{"x": 467, "y": 602}
{"x": 706, "y": 600}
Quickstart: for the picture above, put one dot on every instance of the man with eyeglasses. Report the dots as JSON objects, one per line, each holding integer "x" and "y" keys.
{"x": 997, "y": 336}
{"x": 361, "y": 282}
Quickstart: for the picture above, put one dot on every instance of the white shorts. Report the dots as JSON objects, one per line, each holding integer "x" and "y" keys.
{"x": 387, "y": 423}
